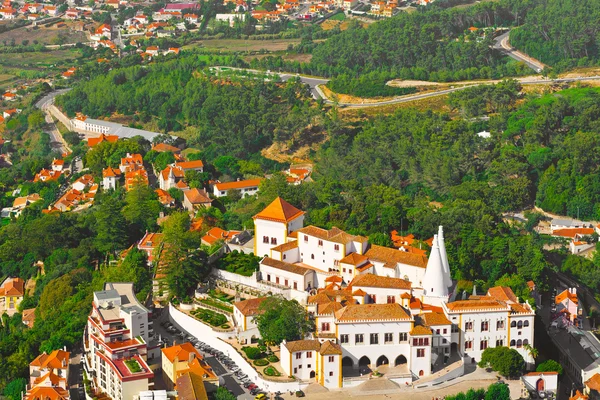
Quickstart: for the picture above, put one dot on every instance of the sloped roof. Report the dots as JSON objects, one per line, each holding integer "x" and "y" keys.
{"x": 196, "y": 196}
{"x": 56, "y": 359}
{"x": 47, "y": 393}
{"x": 371, "y": 280}
{"x": 280, "y": 211}
{"x": 393, "y": 256}
{"x": 12, "y": 287}
{"x": 333, "y": 235}
{"x": 565, "y": 294}
{"x": 371, "y": 312}
{"x": 190, "y": 164}
{"x": 181, "y": 351}
{"x": 111, "y": 172}
{"x": 478, "y": 304}
{"x": 592, "y": 383}
{"x": 293, "y": 268}
{"x": 162, "y": 147}
{"x": 238, "y": 184}
{"x": 303, "y": 345}
{"x": 502, "y": 293}
{"x": 190, "y": 386}
{"x": 354, "y": 259}
{"x": 434, "y": 318}
{"x": 328, "y": 348}
{"x": 29, "y": 317}
{"x": 249, "y": 307}
{"x": 420, "y": 330}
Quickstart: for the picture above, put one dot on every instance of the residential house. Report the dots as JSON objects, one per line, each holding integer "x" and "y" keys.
{"x": 131, "y": 162}
{"x": 152, "y": 50}
{"x": 29, "y": 317}
{"x": 69, "y": 73}
{"x": 103, "y": 30}
{"x": 11, "y": 112}
{"x": 110, "y": 177}
{"x": 20, "y": 203}
{"x": 244, "y": 313}
{"x": 8, "y": 96}
{"x": 150, "y": 243}
{"x": 12, "y": 291}
{"x": 245, "y": 187}
{"x": 135, "y": 177}
{"x": 8, "y": 13}
{"x": 182, "y": 358}
{"x": 194, "y": 199}
{"x": 72, "y": 13}
{"x": 215, "y": 234}
{"x": 58, "y": 165}
{"x": 50, "y": 10}
{"x": 567, "y": 306}
{"x": 83, "y": 182}
{"x": 190, "y": 386}
{"x": 91, "y": 142}
{"x": 165, "y": 198}
{"x": 274, "y": 224}
{"x": 174, "y": 174}
{"x": 47, "y": 175}
{"x": 50, "y": 370}
{"x": 538, "y": 382}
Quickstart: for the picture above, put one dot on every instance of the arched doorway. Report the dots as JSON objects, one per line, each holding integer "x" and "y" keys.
{"x": 540, "y": 386}
{"x": 383, "y": 360}
{"x": 400, "y": 360}
{"x": 312, "y": 374}
{"x": 364, "y": 361}
{"x": 347, "y": 362}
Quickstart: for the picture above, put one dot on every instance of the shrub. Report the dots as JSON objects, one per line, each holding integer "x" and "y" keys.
{"x": 261, "y": 362}
{"x": 273, "y": 358}
{"x": 271, "y": 371}
{"x": 252, "y": 353}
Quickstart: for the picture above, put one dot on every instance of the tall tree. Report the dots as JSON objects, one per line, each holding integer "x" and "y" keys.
{"x": 280, "y": 319}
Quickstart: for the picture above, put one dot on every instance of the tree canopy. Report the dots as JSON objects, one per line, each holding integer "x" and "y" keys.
{"x": 279, "y": 319}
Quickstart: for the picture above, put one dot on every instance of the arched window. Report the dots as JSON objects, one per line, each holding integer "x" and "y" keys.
{"x": 525, "y": 342}
{"x": 421, "y": 373}
{"x": 526, "y": 324}
{"x": 519, "y": 343}
{"x": 512, "y": 343}
{"x": 513, "y": 324}
{"x": 519, "y": 324}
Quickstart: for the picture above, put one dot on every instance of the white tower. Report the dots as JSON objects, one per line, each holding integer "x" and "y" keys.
{"x": 435, "y": 290}
{"x": 273, "y": 225}
{"x": 442, "y": 246}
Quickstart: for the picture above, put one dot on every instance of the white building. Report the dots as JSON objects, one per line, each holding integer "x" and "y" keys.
{"x": 497, "y": 319}
{"x": 243, "y": 317}
{"x": 273, "y": 225}
{"x": 313, "y": 360}
{"x": 116, "y": 343}
{"x": 48, "y": 376}
{"x": 110, "y": 177}
{"x": 247, "y": 187}
{"x": 538, "y": 382}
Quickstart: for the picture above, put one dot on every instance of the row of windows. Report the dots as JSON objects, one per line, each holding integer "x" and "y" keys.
{"x": 485, "y": 325}
{"x": 272, "y": 240}
{"x": 336, "y": 247}
{"x": 388, "y": 338}
{"x": 286, "y": 282}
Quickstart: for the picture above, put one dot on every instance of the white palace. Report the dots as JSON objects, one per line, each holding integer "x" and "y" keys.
{"x": 374, "y": 305}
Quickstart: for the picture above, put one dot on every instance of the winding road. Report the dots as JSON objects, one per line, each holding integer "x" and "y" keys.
{"x": 56, "y": 140}
{"x": 501, "y": 43}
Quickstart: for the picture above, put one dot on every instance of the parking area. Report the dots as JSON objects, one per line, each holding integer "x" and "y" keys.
{"x": 230, "y": 376}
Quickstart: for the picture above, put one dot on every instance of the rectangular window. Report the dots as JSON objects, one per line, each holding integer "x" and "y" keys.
{"x": 265, "y": 239}
{"x": 388, "y": 337}
{"x": 437, "y": 331}
{"x": 309, "y": 366}
{"x": 336, "y": 247}
{"x": 373, "y": 298}
{"x": 273, "y": 240}
{"x": 331, "y": 358}
{"x": 305, "y": 238}
{"x": 277, "y": 280}
{"x": 483, "y": 345}
{"x": 349, "y": 270}
{"x": 309, "y": 354}
{"x": 320, "y": 243}
{"x": 300, "y": 366}
{"x": 295, "y": 370}
{"x": 286, "y": 283}
{"x": 426, "y": 342}
{"x": 295, "y": 285}
{"x": 268, "y": 277}
{"x": 330, "y": 373}
{"x": 374, "y": 338}
{"x": 359, "y": 338}
{"x": 468, "y": 326}
{"x": 420, "y": 353}
{"x": 344, "y": 269}
{"x": 415, "y": 342}
{"x": 298, "y": 356}
{"x": 499, "y": 343}
{"x": 391, "y": 299}
{"x": 485, "y": 325}
{"x": 500, "y": 325}
{"x": 403, "y": 337}
{"x": 421, "y": 342}
{"x": 344, "y": 338}
{"x": 325, "y": 326}
{"x": 468, "y": 345}
{"x": 445, "y": 331}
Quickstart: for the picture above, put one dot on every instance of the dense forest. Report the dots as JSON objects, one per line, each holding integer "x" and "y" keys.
{"x": 560, "y": 34}
{"x": 238, "y": 117}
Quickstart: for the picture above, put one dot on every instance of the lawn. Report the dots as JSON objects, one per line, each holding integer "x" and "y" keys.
{"x": 216, "y": 304}
{"x": 338, "y": 17}
{"x": 43, "y": 35}
{"x": 244, "y": 45}
{"x": 39, "y": 59}
{"x": 133, "y": 366}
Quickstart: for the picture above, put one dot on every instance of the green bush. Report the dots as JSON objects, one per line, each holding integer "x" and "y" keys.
{"x": 252, "y": 353}
{"x": 273, "y": 358}
{"x": 369, "y": 85}
{"x": 261, "y": 362}
{"x": 271, "y": 371}
{"x": 238, "y": 263}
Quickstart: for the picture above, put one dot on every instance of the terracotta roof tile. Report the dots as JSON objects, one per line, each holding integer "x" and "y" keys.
{"x": 392, "y": 257}
{"x": 238, "y": 184}
{"x": 293, "y": 268}
{"x": 303, "y": 345}
{"x": 354, "y": 259}
{"x": 433, "y": 319}
{"x": 420, "y": 330}
{"x": 566, "y": 294}
{"x": 280, "y": 211}
{"x": 329, "y": 348}
{"x": 592, "y": 383}
{"x": 181, "y": 351}
{"x": 286, "y": 246}
{"x": 371, "y": 280}
{"x": 480, "y": 304}
{"x": 249, "y": 307}
{"x": 502, "y": 293}
{"x": 371, "y": 312}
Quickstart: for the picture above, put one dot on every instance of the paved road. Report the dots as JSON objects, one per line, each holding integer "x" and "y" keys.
{"x": 311, "y": 82}
{"x": 56, "y": 140}
{"x": 501, "y": 43}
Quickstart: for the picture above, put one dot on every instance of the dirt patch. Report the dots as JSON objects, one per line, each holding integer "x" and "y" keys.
{"x": 303, "y": 58}
{"x": 43, "y": 35}
{"x": 298, "y": 149}
{"x": 244, "y": 45}
{"x": 437, "y": 103}
{"x": 409, "y": 83}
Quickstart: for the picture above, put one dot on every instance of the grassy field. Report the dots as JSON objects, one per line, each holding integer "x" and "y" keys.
{"x": 244, "y": 45}
{"x": 338, "y": 17}
{"x": 43, "y": 35}
{"x": 39, "y": 59}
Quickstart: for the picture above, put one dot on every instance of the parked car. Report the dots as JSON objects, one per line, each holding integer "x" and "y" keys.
{"x": 260, "y": 396}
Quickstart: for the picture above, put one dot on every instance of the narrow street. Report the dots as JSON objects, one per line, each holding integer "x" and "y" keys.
{"x": 57, "y": 142}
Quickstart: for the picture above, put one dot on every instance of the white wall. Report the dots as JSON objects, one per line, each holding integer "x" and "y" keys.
{"x": 381, "y": 294}
{"x": 322, "y": 257}
{"x": 270, "y": 229}
{"x": 550, "y": 381}
{"x": 232, "y": 277}
{"x": 331, "y": 371}
{"x": 204, "y": 333}
{"x": 418, "y": 364}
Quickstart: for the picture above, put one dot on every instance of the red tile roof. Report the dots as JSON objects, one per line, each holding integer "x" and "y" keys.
{"x": 280, "y": 211}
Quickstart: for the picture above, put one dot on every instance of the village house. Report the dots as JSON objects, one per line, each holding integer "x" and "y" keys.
{"x": 8, "y": 13}
{"x": 150, "y": 243}
{"x": 58, "y": 165}
{"x": 302, "y": 358}
{"x": 12, "y": 291}
{"x": 194, "y": 199}
{"x": 174, "y": 174}
{"x": 110, "y": 177}
{"x": 131, "y": 162}
{"x": 567, "y": 306}
{"x": 20, "y": 203}
{"x": 91, "y": 142}
{"x": 182, "y": 358}
{"x": 8, "y": 96}
{"x": 48, "y": 376}
{"x": 215, "y": 234}
{"x": 165, "y": 198}
{"x": 245, "y": 187}
{"x": 243, "y": 317}
{"x": 47, "y": 175}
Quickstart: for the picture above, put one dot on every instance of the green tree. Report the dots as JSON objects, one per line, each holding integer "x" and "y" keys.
{"x": 133, "y": 268}
{"x": 550, "y": 366}
{"x": 505, "y": 361}
{"x": 498, "y": 391}
{"x": 223, "y": 394}
{"x": 280, "y": 319}
{"x": 15, "y": 389}
{"x": 111, "y": 226}
{"x": 141, "y": 209}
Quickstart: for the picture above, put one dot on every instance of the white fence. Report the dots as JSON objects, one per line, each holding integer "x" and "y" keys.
{"x": 214, "y": 339}
{"x": 250, "y": 281}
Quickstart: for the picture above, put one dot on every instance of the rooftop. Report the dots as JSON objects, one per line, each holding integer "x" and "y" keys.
{"x": 249, "y": 307}
{"x": 372, "y": 312}
{"x": 371, "y": 280}
{"x": 280, "y": 211}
